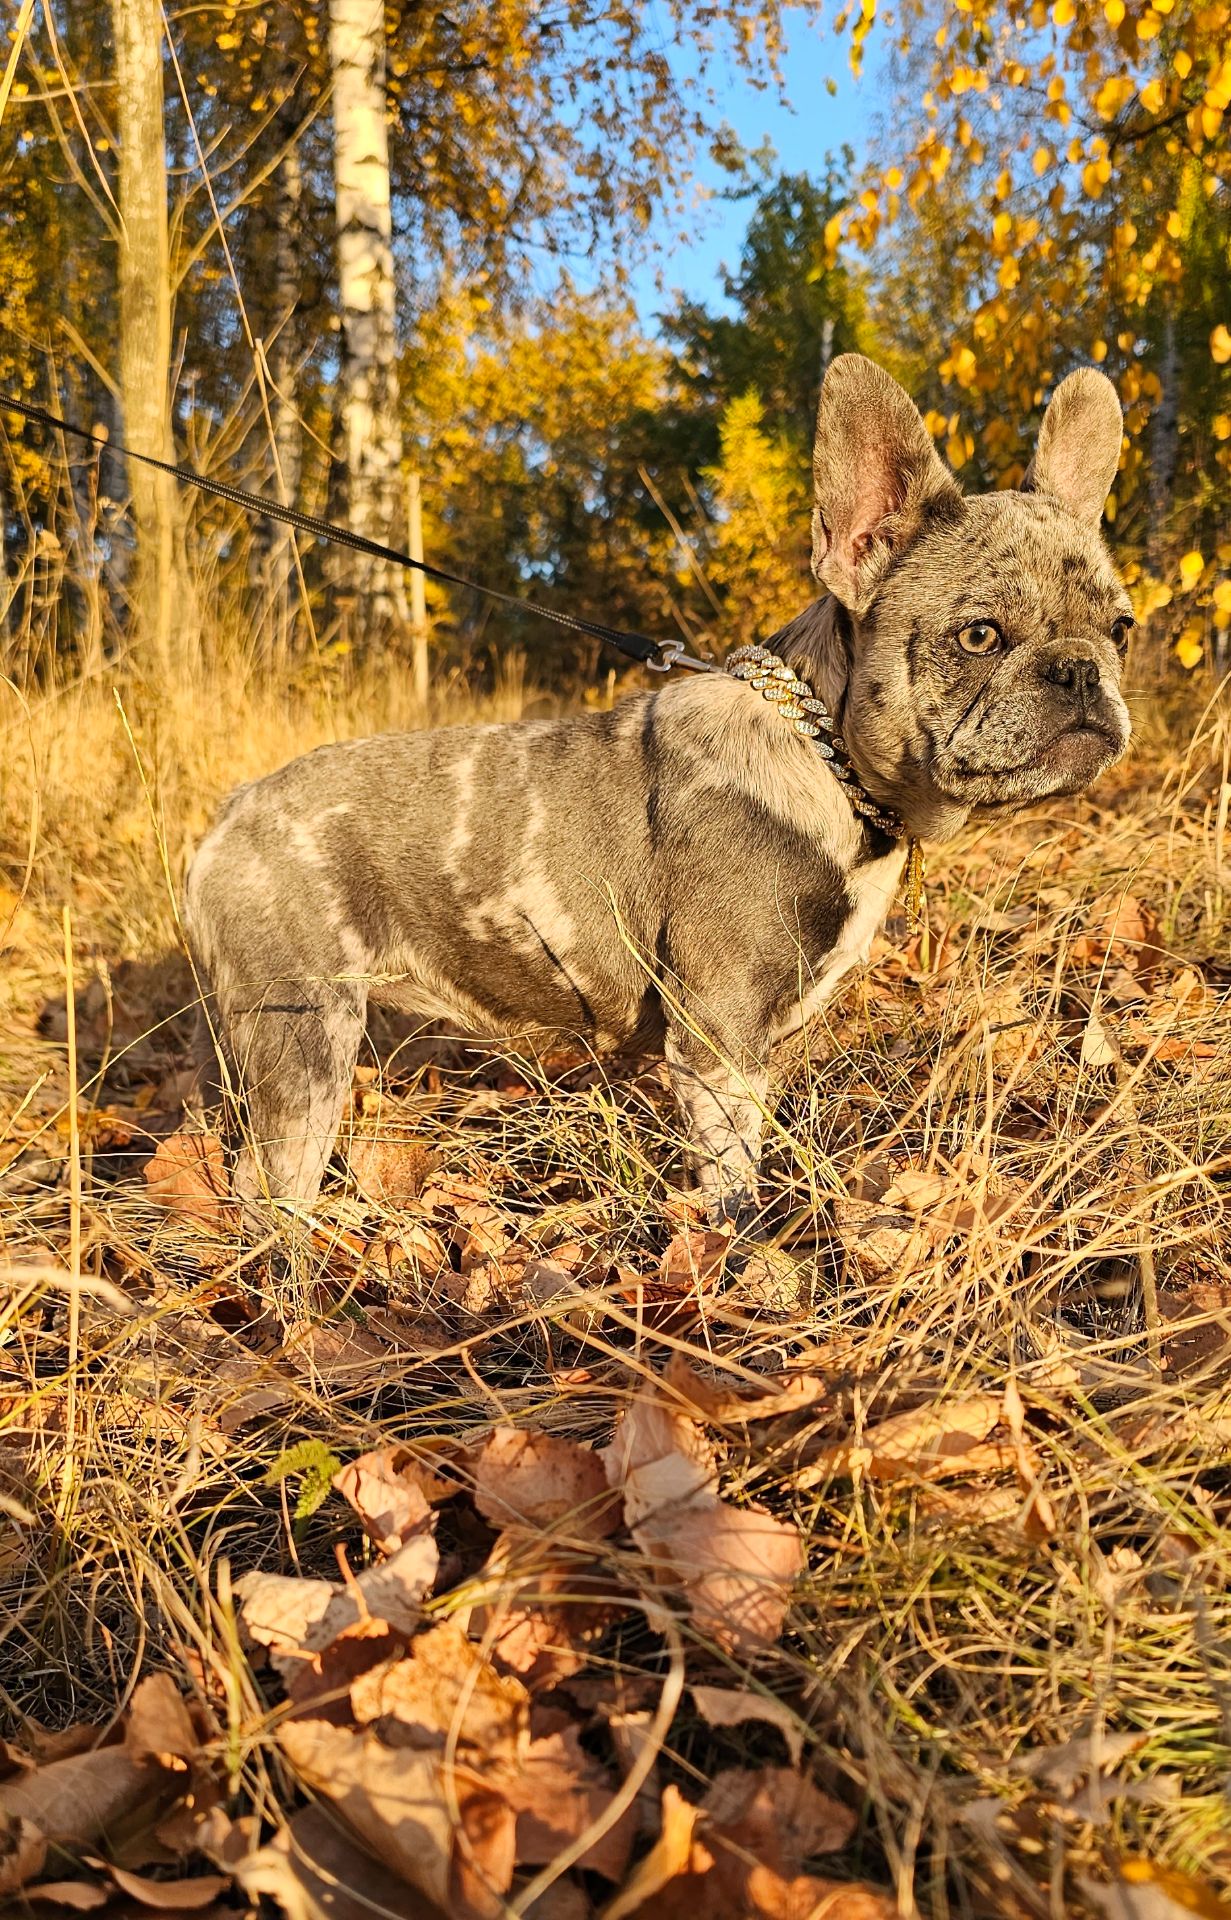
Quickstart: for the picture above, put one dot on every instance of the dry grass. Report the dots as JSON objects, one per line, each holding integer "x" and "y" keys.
{"x": 1019, "y": 1674}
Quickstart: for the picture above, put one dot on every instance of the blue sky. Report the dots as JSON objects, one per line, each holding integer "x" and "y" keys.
{"x": 803, "y": 128}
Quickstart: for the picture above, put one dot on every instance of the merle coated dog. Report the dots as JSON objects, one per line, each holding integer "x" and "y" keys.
{"x": 685, "y": 873}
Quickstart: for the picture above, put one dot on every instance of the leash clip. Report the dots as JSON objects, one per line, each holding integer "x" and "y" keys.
{"x": 671, "y": 654}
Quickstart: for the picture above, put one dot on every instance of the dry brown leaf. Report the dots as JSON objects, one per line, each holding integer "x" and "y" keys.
{"x": 928, "y": 1442}
{"x": 776, "y": 1814}
{"x": 693, "y": 1262}
{"x": 390, "y": 1169}
{"x": 158, "y": 1725}
{"x": 879, "y": 1240}
{"x": 659, "y": 1458}
{"x": 733, "y": 1706}
{"x": 316, "y": 1871}
{"x": 171, "y": 1896}
{"x": 79, "y": 1896}
{"x": 75, "y": 1802}
{"x": 667, "y": 1859}
{"x": 541, "y": 1617}
{"x": 399, "y": 1803}
{"x": 769, "y": 1896}
{"x": 734, "y": 1565}
{"x": 23, "y": 1851}
{"x": 187, "y": 1175}
{"x": 389, "y": 1500}
{"x": 445, "y": 1693}
{"x": 532, "y": 1479}
{"x": 337, "y": 1353}
{"x": 558, "y": 1794}
{"x": 294, "y": 1618}
{"x": 1099, "y": 1047}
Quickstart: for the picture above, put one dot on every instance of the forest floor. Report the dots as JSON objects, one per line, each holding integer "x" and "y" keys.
{"x": 521, "y": 1547}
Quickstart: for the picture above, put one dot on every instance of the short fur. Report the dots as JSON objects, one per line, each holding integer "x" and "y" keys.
{"x": 683, "y": 873}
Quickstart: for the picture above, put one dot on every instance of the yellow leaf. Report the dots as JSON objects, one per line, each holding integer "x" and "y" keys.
{"x": 1192, "y": 566}
{"x": 1148, "y": 25}
{"x": 1114, "y": 11}
{"x": 1064, "y": 12}
{"x": 1098, "y": 351}
{"x": 1183, "y": 63}
{"x": 955, "y": 448}
{"x": 1188, "y": 649}
{"x": 1042, "y": 159}
{"x": 1004, "y": 185}
{"x": 1009, "y": 275}
{"x": 1220, "y": 345}
{"x": 1152, "y": 96}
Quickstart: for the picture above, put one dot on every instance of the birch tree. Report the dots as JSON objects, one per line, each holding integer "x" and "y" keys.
{"x": 368, "y": 384}
{"x": 145, "y": 316}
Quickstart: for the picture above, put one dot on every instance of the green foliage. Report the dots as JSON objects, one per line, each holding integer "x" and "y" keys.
{"x": 313, "y": 1464}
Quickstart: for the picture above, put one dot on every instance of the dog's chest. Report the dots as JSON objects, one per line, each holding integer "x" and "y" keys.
{"x": 871, "y": 890}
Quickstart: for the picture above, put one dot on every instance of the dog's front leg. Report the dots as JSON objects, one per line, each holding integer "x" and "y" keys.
{"x": 723, "y": 1105}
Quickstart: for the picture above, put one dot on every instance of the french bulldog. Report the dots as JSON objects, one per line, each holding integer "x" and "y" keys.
{"x": 694, "y": 872}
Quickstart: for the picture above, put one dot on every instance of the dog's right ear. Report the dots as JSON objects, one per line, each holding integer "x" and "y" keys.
{"x": 876, "y": 475}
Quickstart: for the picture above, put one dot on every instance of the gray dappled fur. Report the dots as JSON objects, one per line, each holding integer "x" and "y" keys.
{"x": 682, "y": 874}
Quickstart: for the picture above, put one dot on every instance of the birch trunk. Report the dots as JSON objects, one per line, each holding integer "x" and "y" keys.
{"x": 145, "y": 318}
{"x": 371, "y": 437}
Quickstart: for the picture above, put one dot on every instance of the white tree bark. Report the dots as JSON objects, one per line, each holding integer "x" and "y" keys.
{"x": 145, "y": 319}
{"x": 369, "y": 385}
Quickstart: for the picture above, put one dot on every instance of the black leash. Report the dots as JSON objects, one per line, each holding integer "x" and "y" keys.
{"x": 659, "y": 655}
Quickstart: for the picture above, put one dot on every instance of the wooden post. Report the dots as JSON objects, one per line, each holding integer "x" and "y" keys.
{"x": 418, "y": 596}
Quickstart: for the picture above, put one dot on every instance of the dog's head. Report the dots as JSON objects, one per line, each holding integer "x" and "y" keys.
{"x": 987, "y": 634}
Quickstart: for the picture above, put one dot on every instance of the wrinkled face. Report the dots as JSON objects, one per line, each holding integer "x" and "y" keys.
{"x": 987, "y": 666}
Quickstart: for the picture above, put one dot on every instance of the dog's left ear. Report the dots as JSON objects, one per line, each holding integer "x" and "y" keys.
{"x": 876, "y": 474}
{"x": 1079, "y": 445}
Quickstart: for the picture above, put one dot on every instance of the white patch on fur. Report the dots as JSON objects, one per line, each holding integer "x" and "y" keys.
{"x": 460, "y": 835}
{"x": 874, "y": 888}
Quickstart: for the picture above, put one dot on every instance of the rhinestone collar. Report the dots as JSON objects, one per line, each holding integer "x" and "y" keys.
{"x": 770, "y": 676}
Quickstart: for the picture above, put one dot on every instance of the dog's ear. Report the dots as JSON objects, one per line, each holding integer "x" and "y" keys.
{"x": 1079, "y": 445}
{"x": 876, "y": 474}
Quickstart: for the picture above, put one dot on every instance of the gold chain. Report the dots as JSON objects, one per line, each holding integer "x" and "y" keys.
{"x": 768, "y": 674}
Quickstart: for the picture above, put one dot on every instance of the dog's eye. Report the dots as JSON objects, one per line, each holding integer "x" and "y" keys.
{"x": 979, "y": 637}
{"x": 1120, "y": 632}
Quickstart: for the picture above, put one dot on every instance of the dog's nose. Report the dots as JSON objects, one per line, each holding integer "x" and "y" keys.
{"x": 1079, "y": 676}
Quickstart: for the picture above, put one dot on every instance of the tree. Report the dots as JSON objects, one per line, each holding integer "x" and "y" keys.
{"x": 1062, "y": 191}
{"x": 368, "y": 386}
{"x": 145, "y": 315}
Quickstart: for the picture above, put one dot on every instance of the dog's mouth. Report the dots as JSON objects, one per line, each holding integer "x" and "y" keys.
{"x": 1065, "y": 763}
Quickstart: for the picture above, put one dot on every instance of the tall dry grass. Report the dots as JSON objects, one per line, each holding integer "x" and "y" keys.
{"x": 997, "y": 1169}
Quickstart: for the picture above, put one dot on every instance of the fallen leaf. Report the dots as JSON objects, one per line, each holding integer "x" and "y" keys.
{"x": 1098, "y": 1046}
{"x": 187, "y": 1175}
{"x": 667, "y": 1859}
{"x": 388, "y": 1499}
{"x": 929, "y": 1442}
{"x": 76, "y": 1801}
{"x": 171, "y": 1896}
{"x": 23, "y": 1850}
{"x": 693, "y": 1262}
{"x": 659, "y": 1458}
{"x": 445, "y": 1693}
{"x": 734, "y": 1565}
{"x": 532, "y": 1479}
{"x": 158, "y": 1725}
{"x": 558, "y": 1794}
{"x": 316, "y": 1870}
{"x": 770, "y": 1896}
{"x": 79, "y": 1896}
{"x": 293, "y": 1617}
{"x": 1146, "y": 1890}
{"x": 547, "y": 1606}
{"x": 390, "y": 1168}
{"x": 776, "y": 1814}
{"x": 733, "y": 1706}
{"x": 400, "y": 1804}
{"x": 879, "y": 1240}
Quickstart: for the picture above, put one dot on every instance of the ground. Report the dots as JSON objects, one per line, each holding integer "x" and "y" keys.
{"x": 881, "y": 1561}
